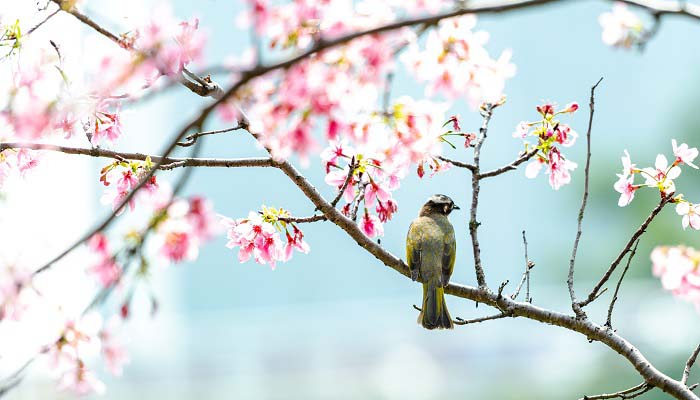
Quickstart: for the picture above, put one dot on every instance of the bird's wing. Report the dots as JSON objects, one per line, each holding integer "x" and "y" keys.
{"x": 449, "y": 253}
{"x": 414, "y": 256}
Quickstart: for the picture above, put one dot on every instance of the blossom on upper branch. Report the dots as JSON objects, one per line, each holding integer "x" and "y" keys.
{"x": 455, "y": 62}
{"x": 621, "y": 27}
{"x": 549, "y": 133}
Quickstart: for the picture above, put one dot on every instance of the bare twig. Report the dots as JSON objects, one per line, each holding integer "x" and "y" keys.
{"x": 510, "y": 167}
{"x": 346, "y": 182}
{"x": 37, "y": 26}
{"x": 526, "y": 275}
{"x": 570, "y": 279}
{"x": 460, "y": 321}
{"x": 689, "y": 365}
{"x": 608, "y": 322}
{"x": 486, "y": 112}
{"x": 192, "y": 139}
{"x": 630, "y": 393}
{"x": 459, "y": 164}
{"x": 606, "y": 276}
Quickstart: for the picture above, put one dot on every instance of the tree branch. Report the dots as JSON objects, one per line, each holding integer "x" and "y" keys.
{"x": 623, "y": 394}
{"x": 510, "y": 167}
{"x": 570, "y": 279}
{"x": 167, "y": 163}
{"x": 459, "y": 164}
{"x": 689, "y": 365}
{"x": 526, "y": 276}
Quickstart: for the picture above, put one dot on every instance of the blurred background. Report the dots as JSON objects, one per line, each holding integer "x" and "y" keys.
{"x": 336, "y": 324}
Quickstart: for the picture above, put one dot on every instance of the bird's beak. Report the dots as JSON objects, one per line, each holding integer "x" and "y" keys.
{"x": 455, "y": 207}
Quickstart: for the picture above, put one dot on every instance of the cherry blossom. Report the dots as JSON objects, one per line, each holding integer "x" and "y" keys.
{"x": 81, "y": 381}
{"x": 371, "y": 225}
{"x": 662, "y": 175}
{"x": 258, "y": 236}
{"x": 690, "y": 213}
{"x": 625, "y": 186}
{"x": 677, "y": 267}
{"x": 549, "y": 132}
{"x": 113, "y": 352}
{"x": 621, "y": 27}
{"x": 14, "y": 296}
{"x": 104, "y": 266}
{"x": 684, "y": 154}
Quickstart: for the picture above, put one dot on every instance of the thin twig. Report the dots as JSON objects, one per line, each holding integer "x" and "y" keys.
{"x": 623, "y": 394}
{"x": 526, "y": 275}
{"x": 459, "y": 164}
{"x": 346, "y": 182}
{"x": 510, "y": 167}
{"x": 35, "y": 27}
{"x": 689, "y": 365}
{"x": 570, "y": 279}
{"x": 486, "y": 113}
{"x": 642, "y": 228}
{"x": 460, "y": 321}
{"x": 608, "y": 322}
{"x": 192, "y": 139}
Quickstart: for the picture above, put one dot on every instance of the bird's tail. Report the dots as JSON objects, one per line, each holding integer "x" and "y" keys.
{"x": 434, "y": 314}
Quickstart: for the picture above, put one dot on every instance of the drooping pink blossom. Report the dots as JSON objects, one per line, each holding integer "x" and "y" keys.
{"x": 684, "y": 154}
{"x": 677, "y": 267}
{"x": 690, "y": 213}
{"x": 104, "y": 267}
{"x": 559, "y": 169}
{"x": 371, "y": 225}
{"x": 626, "y": 188}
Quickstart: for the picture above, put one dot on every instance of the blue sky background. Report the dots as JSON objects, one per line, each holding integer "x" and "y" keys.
{"x": 337, "y": 324}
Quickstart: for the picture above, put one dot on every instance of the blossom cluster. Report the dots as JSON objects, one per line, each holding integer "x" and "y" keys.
{"x": 678, "y": 269}
{"x": 661, "y": 176}
{"x": 260, "y": 236}
{"x": 622, "y": 27}
{"x": 50, "y": 97}
{"x": 550, "y": 134}
{"x": 78, "y": 339}
{"x": 126, "y": 175}
{"x": 455, "y": 63}
{"x": 16, "y": 162}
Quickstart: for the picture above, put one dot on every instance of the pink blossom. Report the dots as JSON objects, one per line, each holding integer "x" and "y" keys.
{"x": 661, "y": 176}
{"x": 534, "y": 167}
{"x": 522, "y": 130}
{"x": 626, "y": 188}
{"x": 202, "y": 218}
{"x": 177, "y": 241}
{"x": 104, "y": 266}
{"x": 627, "y": 167}
{"x": 690, "y": 213}
{"x": 545, "y": 110}
{"x": 385, "y": 210}
{"x": 570, "y": 108}
{"x": 559, "y": 169}
{"x": 677, "y": 267}
{"x": 621, "y": 27}
{"x": 81, "y": 381}
{"x": 256, "y": 238}
{"x": 14, "y": 283}
{"x": 114, "y": 353}
{"x": 295, "y": 242}
{"x": 371, "y": 225}
{"x": 684, "y": 154}
{"x": 565, "y": 135}
{"x": 26, "y": 161}
{"x": 374, "y": 191}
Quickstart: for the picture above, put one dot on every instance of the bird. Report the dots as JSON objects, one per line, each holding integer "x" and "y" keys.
{"x": 430, "y": 251}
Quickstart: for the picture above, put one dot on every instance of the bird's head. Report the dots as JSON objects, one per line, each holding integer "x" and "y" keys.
{"x": 438, "y": 204}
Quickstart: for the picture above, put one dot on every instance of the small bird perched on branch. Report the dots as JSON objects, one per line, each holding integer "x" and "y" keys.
{"x": 430, "y": 251}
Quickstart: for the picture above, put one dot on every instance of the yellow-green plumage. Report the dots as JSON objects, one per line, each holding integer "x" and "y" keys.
{"x": 430, "y": 251}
